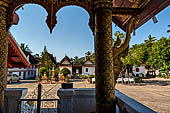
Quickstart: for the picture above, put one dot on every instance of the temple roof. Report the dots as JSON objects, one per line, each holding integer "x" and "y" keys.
{"x": 16, "y": 57}
{"x": 66, "y": 58}
{"x": 148, "y": 9}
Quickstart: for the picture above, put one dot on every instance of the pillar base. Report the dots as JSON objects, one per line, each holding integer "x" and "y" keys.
{"x": 12, "y": 97}
{"x": 67, "y": 85}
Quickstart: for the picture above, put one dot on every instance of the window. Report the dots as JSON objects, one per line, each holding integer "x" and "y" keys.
{"x": 137, "y": 69}
{"x": 86, "y": 69}
{"x": 19, "y": 73}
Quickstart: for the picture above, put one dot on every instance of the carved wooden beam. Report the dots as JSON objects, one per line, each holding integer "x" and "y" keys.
{"x": 126, "y": 11}
{"x": 122, "y": 51}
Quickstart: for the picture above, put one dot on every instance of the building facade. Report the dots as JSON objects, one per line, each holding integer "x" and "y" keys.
{"x": 30, "y": 72}
{"x": 87, "y": 68}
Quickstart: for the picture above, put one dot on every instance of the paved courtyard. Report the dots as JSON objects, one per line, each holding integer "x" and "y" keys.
{"x": 154, "y": 93}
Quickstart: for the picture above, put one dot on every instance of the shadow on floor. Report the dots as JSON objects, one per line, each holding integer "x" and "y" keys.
{"x": 151, "y": 82}
{"x": 76, "y": 80}
{"x": 23, "y": 82}
{"x": 157, "y": 82}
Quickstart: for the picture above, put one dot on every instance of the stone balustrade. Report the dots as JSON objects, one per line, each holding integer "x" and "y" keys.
{"x": 12, "y": 98}
{"x": 83, "y": 100}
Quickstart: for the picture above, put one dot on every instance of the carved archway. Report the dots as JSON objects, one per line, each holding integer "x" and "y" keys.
{"x": 15, "y": 5}
{"x": 51, "y": 7}
{"x": 85, "y": 5}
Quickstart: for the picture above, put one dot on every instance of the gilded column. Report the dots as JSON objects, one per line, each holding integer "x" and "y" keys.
{"x": 3, "y": 50}
{"x": 105, "y": 90}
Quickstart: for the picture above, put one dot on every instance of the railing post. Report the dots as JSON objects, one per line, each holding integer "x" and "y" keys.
{"x": 39, "y": 98}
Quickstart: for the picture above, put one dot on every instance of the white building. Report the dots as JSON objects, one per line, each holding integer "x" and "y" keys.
{"x": 87, "y": 68}
{"x": 139, "y": 70}
{"x": 66, "y": 63}
{"x": 26, "y": 73}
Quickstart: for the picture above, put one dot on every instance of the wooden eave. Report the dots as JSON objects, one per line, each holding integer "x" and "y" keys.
{"x": 123, "y": 10}
{"x": 68, "y": 65}
{"x": 65, "y": 58}
{"x": 84, "y": 64}
{"x": 88, "y": 65}
{"x": 16, "y": 58}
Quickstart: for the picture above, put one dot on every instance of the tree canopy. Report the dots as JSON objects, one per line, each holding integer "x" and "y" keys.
{"x": 46, "y": 59}
{"x": 25, "y": 47}
{"x": 65, "y": 71}
{"x": 155, "y": 54}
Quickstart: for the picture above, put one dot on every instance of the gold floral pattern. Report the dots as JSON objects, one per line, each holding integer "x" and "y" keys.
{"x": 105, "y": 90}
{"x": 3, "y": 52}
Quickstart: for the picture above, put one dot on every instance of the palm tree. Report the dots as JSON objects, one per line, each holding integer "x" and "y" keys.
{"x": 71, "y": 59}
{"x": 168, "y": 31}
{"x": 37, "y": 57}
{"x": 25, "y": 47}
{"x": 76, "y": 59}
{"x": 88, "y": 53}
{"x": 150, "y": 41}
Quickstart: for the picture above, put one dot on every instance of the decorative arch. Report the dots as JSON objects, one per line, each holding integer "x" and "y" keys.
{"x": 85, "y": 5}
{"x": 15, "y": 5}
{"x": 52, "y": 7}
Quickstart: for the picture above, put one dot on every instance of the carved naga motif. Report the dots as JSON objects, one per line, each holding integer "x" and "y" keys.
{"x": 120, "y": 51}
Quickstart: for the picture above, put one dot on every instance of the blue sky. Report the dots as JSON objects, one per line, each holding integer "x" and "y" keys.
{"x": 72, "y": 35}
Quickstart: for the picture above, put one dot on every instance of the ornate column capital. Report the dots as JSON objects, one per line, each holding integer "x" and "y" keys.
{"x": 103, "y": 4}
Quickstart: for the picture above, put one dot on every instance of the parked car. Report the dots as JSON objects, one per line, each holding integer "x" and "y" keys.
{"x": 13, "y": 78}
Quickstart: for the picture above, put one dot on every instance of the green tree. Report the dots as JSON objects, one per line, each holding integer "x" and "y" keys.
{"x": 37, "y": 57}
{"x": 57, "y": 70}
{"x": 161, "y": 53}
{"x": 81, "y": 60}
{"x": 88, "y": 53}
{"x": 136, "y": 55}
{"x": 65, "y": 71}
{"x": 76, "y": 59}
{"x": 150, "y": 41}
{"x": 71, "y": 59}
{"x": 168, "y": 31}
{"x": 46, "y": 60}
{"x": 148, "y": 51}
{"x": 155, "y": 54}
{"x": 42, "y": 70}
{"x": 25, "y": 47}
{"x": 92, "y": 57}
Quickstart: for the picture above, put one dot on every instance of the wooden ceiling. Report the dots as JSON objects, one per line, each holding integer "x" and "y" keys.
{"x": 147, "y": 10}
{"x": 16, "y": 58}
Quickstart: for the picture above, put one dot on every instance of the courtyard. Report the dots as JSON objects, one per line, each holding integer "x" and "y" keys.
{"x": 154, "y": 93}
